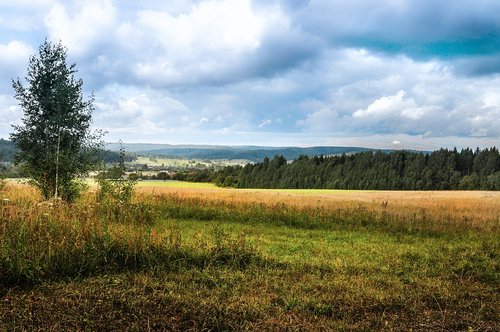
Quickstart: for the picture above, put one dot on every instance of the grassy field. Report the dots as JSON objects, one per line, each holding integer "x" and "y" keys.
{"x": 196, "y": 257}
{"x": 171, "y": 184}
{"x": 184, "y": 163}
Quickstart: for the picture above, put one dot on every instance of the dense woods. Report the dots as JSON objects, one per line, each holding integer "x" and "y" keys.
{"x": 398, "y": 170}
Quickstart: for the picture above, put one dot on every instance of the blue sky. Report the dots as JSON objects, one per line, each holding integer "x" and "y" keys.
{"x": 387, "y": 74}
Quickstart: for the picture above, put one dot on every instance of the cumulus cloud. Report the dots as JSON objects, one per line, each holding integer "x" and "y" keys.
{"x": 13, "y": 58}
{"x": 392, "y": 113}
{"x": 303, "y": 72}
{"x": 10, "y": 113}
{"x": 215, "y": 42}
{"x": 405, "y": 96}
{"x": 14, "y": 53}
{"x": 84, "y": 30}
{"x": 127, "y": 109}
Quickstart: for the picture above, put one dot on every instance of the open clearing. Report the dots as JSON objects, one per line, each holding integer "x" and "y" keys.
{"x": 197, "y": 257}
{"x": 184, "y": 163}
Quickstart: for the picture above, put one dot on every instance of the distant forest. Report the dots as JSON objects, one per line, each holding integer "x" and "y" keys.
{"x": 8, "y": 149}
{"x": 249, "y": 153}
{"x": 398, "y": 170}
{"x": 378, "y": 170}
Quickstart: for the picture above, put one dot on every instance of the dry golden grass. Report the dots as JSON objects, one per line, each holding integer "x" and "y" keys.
{"x": 204, "y": 259}
{"x": 481, "y": 208}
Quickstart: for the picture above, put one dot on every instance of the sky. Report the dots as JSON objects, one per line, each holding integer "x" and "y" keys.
{"x": 403, "y": 74}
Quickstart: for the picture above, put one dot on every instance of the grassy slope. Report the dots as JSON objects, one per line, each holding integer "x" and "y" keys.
{"x": 226, "y": 264}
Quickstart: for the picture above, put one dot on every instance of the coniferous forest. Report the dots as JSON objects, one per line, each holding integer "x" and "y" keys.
{"x": 398, "y": 170}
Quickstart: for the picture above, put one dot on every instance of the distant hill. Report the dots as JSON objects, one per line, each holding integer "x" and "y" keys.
{"x": 7, "y": 150}
{"x": 210, "y": 152}
{"x": 250, "y": 153}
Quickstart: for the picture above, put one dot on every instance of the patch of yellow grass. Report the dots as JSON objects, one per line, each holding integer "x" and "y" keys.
{"x": 469, "y": 207}
{"x": 477, "y": 208}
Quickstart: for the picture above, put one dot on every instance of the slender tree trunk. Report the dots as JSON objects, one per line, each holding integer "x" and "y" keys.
{"x": 57, "y": 162}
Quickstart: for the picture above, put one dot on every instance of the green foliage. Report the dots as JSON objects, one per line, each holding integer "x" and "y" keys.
{"x": 55, "y": 143}
{"x": 163, "y": 176}
{"x": 469, "y": 182}
{"x": 73, "y": 190}
{"x": 114, "y": 156}
{"x": 113, "y": 186}
{"x": 134, "y": 176}
{"x": 494, "y": 181}
{"x": 398, "y": 170}
{"x": 192, "y": 176}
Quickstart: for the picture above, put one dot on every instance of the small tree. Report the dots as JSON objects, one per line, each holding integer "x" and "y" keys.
{"x": 55, "y": 142}
{"x": 113, "y": 187}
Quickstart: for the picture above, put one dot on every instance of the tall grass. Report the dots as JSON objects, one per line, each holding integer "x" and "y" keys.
{"x": 338, "y": 215}
{"x": 52, "y": 240}
{"x": 44, "y": 241}
{"x": 224, "y": 261}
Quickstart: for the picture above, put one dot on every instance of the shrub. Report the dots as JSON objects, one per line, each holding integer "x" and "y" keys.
{"x": 113, "y": 187}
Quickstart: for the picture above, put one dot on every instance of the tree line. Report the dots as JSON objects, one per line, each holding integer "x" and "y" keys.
{"x": 398, "y": 170}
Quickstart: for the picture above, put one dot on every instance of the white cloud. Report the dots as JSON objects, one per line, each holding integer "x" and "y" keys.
{"x": 399, "y": 95}
{"x": 265, "y": 123}
{"x": 129, "y": 111}
{"x": 26, "y": 4}
{"x": 211, "y": 42}
{"x": 211, "y": 25}
{"x": 10, "y": 113}
{"x": 14, "y": 53}
{"x": 81, "y": 32}
{"x": 396, "y": 107}
{"x": 385, "y": 107}
{"x": 325, "y": 119}
{"x": 303, "y": 72}
{"x": 14, "y": 58}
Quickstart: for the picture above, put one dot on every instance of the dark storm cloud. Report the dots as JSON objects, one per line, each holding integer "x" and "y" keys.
{"x": 478, "y": 66}
{"x": 419, "y": 29}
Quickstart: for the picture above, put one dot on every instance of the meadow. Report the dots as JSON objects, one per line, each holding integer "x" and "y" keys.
{"x": 183, "y": 163}
{"x": 201, "y": 258}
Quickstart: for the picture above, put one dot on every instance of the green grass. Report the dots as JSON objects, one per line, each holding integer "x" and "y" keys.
{"x": 205, "y": 185}
{"x": 176, "y": 263}
{"x": 176, "y": 184}
{"x": 306, "y": 191}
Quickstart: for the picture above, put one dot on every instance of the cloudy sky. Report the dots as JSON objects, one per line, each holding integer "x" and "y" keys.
{"x": 388, "y": 73}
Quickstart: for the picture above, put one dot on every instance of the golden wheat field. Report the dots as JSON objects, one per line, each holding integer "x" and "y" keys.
{"x": 469, "y": 206}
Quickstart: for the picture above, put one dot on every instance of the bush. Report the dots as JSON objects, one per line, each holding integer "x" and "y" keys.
{"x": 112, "y": 185}
{"x": 494, "y": 181}
{"x": 73, "y": 190}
